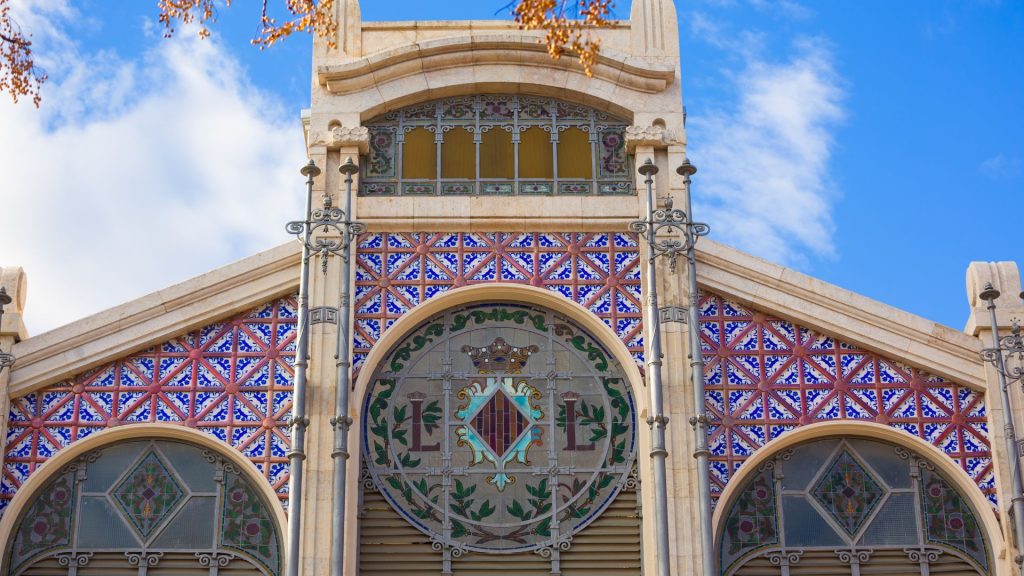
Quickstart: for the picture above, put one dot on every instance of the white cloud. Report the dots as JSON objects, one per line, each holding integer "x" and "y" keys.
{"x": 764, "y": 184}
{"x": 138, "y": 173}
{"x": 1000, "y": 167}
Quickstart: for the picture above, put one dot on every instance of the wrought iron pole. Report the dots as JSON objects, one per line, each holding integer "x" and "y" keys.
{"x": 700, "y": 420}
{"x": 298, "y": 423}
{"x": 657, "y": 419}
{"x": 6, "y": 358}
{"x": 341, "y": 421}
{"x": 995, "y": 355}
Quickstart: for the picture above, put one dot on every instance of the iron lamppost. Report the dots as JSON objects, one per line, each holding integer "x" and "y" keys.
{"x": 679, "y": 236}
{"x": 6, "y": 358}
{"x": 336, "y": 230}
{"x": 1008, "y": 350}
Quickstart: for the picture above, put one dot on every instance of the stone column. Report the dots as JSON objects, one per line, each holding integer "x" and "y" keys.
{"x": 1005, "y": 277}
{"x": 328, "y": 149}
{"x": 12, "y": 330}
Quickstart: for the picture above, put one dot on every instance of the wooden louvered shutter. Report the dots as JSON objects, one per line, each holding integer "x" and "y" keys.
{"x": 610, "y": 546}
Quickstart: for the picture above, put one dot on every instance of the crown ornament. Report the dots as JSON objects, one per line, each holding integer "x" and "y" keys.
{"x": 500, "y": 356}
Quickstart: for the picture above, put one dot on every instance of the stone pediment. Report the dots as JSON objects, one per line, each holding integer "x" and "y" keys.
{"x": 636, "y": 73}
{"x": 136, "y": 325}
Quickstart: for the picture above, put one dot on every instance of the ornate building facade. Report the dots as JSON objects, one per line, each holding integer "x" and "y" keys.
{"x": 502, "y": 412}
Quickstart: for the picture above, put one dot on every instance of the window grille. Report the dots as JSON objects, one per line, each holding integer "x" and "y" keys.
{"x": 496, "y": 145}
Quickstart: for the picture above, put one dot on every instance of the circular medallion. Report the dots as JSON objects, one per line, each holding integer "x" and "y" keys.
{"x": 499, "y": 428}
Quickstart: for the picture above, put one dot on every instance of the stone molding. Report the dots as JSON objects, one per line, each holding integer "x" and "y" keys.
{"x": 13, "y": 279}
{"x": 634, "y": 72}
{"x": 655, "y": 136}
{"x": 341, "y": 137}
{"x": 138, "y": 324}
{"x": 1005, "y": 277}
{"x": 831, "y": 310}
{"x": 133, "y": 326}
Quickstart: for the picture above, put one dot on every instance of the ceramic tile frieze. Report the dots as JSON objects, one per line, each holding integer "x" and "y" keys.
{"x": 231, "y": 380}
{"x": 397, "y": 271}
{"x": 767, "y": 376}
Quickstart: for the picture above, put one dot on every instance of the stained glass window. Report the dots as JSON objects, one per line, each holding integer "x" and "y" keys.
{"x": 850, "y": 502}
{"x": 496, "y": 144}
{"x": 499, "y": 428}
{"x": 141, "y": 504}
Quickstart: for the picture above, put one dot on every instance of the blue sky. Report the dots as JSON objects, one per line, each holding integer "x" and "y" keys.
{"x": 871, "y": 143}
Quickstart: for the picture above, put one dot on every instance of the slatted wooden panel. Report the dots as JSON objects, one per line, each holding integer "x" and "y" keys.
{"x": 881, "y": 563}
{"x": 610, "y": 546}
{"x": 390, "y": 545}
{"x": 116, "y": 564}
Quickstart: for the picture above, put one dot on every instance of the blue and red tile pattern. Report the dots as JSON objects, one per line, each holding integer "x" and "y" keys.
{"x": 231, "y": 380}
{"x": 767, "y": 376}
{"x": 397, "y": 271}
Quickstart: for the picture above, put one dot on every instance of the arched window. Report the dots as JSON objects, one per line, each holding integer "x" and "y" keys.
{"x": 494, "y": 430}
{"x": 850, "y": 506}
{"x": 496, "y": 144}
{"x": 146, "y": 507}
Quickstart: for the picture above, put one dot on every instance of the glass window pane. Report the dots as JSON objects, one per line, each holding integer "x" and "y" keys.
{"x": 120, "y": 458}
{"x": 192, "y": 527}
{"x": 806, "y": 461}
{"x": 497, "y": 159}
{"x": 535, "y": 154}
{"x": 896, "y": 523}
{"x": 894, "y": 471}
{"x": 100, "y": 526}
{"x": 458, "y": 154}
{"x": 804, "y": 526}
{"x": 419, "y": 155}
{"x": 574, "y": 158}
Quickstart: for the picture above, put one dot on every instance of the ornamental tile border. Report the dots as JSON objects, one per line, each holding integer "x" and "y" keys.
{"x": 397, "y": 271}
{"x": 232, "y": 380}
{"x": 767, "y": 376}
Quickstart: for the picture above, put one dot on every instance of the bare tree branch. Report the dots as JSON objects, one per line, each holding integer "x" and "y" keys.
{"x": 19, "y": 75}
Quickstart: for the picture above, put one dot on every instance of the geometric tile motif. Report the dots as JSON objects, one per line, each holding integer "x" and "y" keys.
{"x": 397, "y": 271}
{"x": 848, "y": 492}
{"x": 148, "y": 494}
{"x": 232, "y": 380}
{"x": 766, "y": 376}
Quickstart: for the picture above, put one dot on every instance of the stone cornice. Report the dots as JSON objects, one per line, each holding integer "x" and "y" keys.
{"x": 832, "y": 310}
{"x": 656, "y": 136}
{"x": 341, "y": 136}
{"x": 139, "y": 324}
{"x": 634, "y": 72}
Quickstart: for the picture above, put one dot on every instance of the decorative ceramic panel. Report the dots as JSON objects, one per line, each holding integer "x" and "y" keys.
{"x": 170, "y": 505}
{"x": 397, "y": 271}
{"x": 767, "y": 376}
{"x": 231, "y": 380}
{"x": 499, "y": 428}
{"x": 853, "y": 500}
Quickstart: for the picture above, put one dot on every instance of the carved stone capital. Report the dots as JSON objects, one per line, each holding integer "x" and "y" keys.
{"x": 656, "y": 136}
{"x": 342, "y": 136}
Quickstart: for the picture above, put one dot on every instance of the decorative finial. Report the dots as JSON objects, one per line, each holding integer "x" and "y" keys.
{"x": 310, "y": 169}
{"x": 989, "y": 293}
{"x": 648, "y": 168}
{"x": 349, "y": 167}
{"x": 4, "y": 298}
{"x": 686, "y": 169}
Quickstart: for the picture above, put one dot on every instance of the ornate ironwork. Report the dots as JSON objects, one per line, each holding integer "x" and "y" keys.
{"x": 1008, "y": 354}
{"x": 507, "y": 117}
{"x": 492, "y": 447}
{"x": 682, "y": 233}
{"x": 327, "y": 230}
{"x": 782, "y": 513}
{"x": 6, "y": 358}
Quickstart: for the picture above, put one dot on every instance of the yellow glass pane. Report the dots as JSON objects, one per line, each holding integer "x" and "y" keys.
{"x": 535, "y": 154}
{"x": 419, "y": 155}
{"x": 497, "y": 159}
{"x": 458, "y": 154}
{"x": 574, "y": 159}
